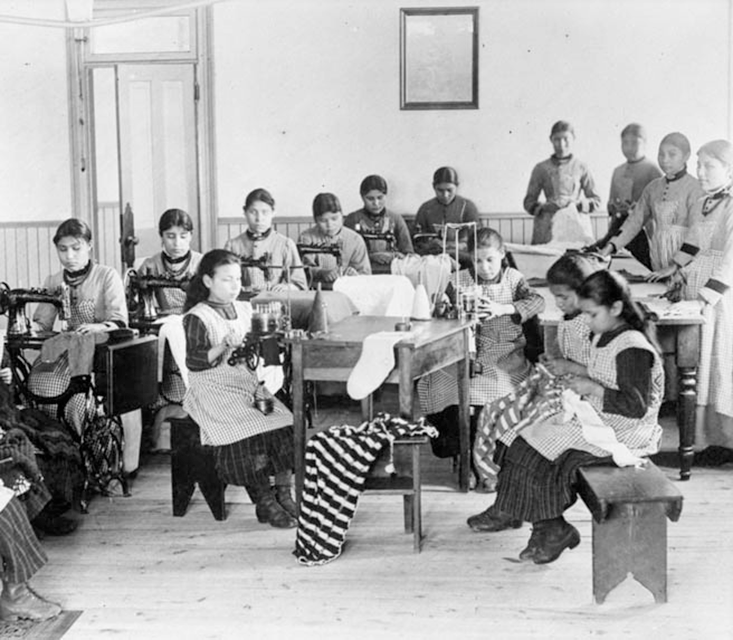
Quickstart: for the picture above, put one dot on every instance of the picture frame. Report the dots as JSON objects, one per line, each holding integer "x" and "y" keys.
{"x": 439, "y": 60}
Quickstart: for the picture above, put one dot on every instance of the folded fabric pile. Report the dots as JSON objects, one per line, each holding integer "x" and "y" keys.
{"x": 337, "y": 463}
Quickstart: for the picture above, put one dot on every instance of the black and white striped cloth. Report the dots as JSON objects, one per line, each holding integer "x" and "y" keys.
{"x": 337, "y": 463}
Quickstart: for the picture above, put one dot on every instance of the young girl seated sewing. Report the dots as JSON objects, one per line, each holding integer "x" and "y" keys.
{"x": 97, "y": 304}
{"x": 505, "y": 302}
{"x": 249, "y": 444}
{"x": 374, "y": 219}
{"x": 329, "y": 231}
{"x": 281, "y": 266}
{"x": 623, "y": 384}
{"x": 446, "y": 207}
{"x": 569, "y": 353}
{"x": 176, "y": 260}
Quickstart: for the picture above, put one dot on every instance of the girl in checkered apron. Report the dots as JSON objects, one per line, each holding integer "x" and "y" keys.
{"x": 178, "y": 262}
{"x": 506, "y": 302}
{"x": 705, "y": 265}
{"x": 249, "y": 445}
{"x": 624, "y": 383}
{"x": 261, "y": 241}
{"x": 97, "y": 305}
{"x": 570, "y": 353}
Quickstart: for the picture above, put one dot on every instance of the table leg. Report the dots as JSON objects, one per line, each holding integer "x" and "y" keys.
{"x": 298, "y": 418}
{"x": 405, "y": 382}
{"x": 464, "y": 420}
{"x": 687, "y": 357}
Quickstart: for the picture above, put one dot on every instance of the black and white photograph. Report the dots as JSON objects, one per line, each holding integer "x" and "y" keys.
{"x": 366, "y": 319}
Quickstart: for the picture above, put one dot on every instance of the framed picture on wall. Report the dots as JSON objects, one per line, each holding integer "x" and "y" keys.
{"x": 439, "y": 58}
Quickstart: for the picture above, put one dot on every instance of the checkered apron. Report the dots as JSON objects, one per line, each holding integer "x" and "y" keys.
{"x": 641, "y": 435}
{"x": 573, "y": 338}
{"x": 499, "y": 350}
{"x": 221, "y": 399}
{"x": 667, "y": 237}
{"x": 52, "y": 379}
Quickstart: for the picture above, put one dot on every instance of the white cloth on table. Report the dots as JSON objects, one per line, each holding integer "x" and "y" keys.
{"x": 374, "y": 364}
{"x": 378, "y": 295}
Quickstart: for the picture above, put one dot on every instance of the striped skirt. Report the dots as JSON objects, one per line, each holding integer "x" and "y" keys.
{"x": 250, "y": 462}
{"x": 20, "y": 552}
{"x": 532, "y": 488}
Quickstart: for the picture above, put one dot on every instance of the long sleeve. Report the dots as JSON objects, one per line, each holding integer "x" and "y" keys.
{"x": 527, "y": 301}
{"x": 721, "y": 278}
{"x": 588, "y": 186}
{"x": 292, "y": 259}
{"x": 114, "y": 299}
{"x": 534, "y": 189}
{"x": 421, "y": 219}
{"x": 45, "y": 314}
{"x": 360, "y": 256}
{"x": 402, "y": 234}
{"x": 634, "y": 379}
{"x": 638, "y": 217}
{"x": 198, "y": 344}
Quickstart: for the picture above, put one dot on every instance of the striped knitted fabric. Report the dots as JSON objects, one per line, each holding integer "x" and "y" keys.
{"x": 537, "y": 398}
{"x": 337, "y": 463}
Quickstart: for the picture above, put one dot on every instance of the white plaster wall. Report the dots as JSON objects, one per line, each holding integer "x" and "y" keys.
{"x": 307, "y": 94}
{"x": 35, "y": 182}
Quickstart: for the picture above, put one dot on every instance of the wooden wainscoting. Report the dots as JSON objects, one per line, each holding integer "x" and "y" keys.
{"x": 513, "y": 227}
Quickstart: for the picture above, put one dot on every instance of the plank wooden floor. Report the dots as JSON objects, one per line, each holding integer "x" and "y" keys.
{"x": 137, "y": 572}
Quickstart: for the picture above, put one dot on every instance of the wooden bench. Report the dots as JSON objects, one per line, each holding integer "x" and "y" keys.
{"x": 629, "y": 508}
{"x": 405, "y": 481}
{"x": 193, "y": 463}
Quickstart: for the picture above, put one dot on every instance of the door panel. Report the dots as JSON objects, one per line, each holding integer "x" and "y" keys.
{"x": 157, "y": 144}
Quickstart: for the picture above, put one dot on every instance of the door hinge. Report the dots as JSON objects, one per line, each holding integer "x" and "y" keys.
{"x": 196, "y": 91}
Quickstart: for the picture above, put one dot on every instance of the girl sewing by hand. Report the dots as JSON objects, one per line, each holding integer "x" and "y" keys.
{"x": 176, "y": 260}
{"x": 96, "y": 305}
{"x": 249, "y": 445}
{"x": 624, "y": 385}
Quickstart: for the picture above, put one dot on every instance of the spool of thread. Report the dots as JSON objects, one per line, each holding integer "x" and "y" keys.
{"x": 403, "y": 326}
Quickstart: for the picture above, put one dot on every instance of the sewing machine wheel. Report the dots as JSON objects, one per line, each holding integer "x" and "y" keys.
{"x": 132, "y": 295}
{"x": 4, "y": 302}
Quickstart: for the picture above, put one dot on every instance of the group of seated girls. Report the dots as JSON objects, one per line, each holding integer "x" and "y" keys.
{"x": 528, "y": 455}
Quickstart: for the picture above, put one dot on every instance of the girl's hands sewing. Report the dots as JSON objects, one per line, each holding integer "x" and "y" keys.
{"x": 584, "y": 386}
{"x": 562, "y": 367}
{"x": 284, "y": 286}
{"x": 95, "y": 327}
{"x": 488, "y": 308}
{"x": 663, "y": 274}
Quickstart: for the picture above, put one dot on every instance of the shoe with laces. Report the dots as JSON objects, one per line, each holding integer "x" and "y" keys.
{"x": 285, "y": 500}
{"x": 555, "y": 539}
{"x": 268, "y": 510}
{"x": 534, "y": 543}
{"x": 493, "y": 520}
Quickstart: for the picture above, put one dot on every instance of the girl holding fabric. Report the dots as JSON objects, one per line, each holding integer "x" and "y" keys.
{"x": 623, "y": 383}
{"x": 564, "y": 180}
{"x": 249, "y": 445}
{"x": 96, "y": 305}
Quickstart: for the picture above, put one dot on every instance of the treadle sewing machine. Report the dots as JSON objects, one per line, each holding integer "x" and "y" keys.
{"x": 14, "y": 301}
{"x": 140, "y": 292}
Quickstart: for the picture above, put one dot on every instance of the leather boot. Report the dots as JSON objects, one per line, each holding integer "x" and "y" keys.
{"x": 493, "y": 520}
{"x": 535, "y": 542}
{"x": 557, "y": 536}
{"x": 268, "y": 510}
{"x": 20, "y": 602}
{"x": 285, "y": 500}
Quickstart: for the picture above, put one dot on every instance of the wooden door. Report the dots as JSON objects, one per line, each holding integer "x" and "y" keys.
{"x": 157, "y": 146}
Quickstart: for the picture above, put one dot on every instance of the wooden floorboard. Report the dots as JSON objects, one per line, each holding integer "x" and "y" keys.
{"x": 137, "y": 572}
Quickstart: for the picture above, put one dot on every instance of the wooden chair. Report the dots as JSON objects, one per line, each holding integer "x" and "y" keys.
{"x": 405, "y": 481}
{"x": 193, "y": 463}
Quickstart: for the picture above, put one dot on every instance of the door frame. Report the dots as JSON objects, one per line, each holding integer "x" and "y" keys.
{"x": 79, "y": 62}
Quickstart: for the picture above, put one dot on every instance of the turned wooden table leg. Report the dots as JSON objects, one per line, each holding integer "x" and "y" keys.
{"x": 298, "y": 418}
{"x": 686, "y": 403}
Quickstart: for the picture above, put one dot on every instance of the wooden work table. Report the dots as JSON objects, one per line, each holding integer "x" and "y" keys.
{"x": 678, "y": 332}
{"x": 430, "y": 346}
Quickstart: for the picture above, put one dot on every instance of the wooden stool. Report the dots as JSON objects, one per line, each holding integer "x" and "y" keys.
{"x": 191, "y": 463}
{"x": 629, "y": 507}
{"x": 404, "y": 481}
